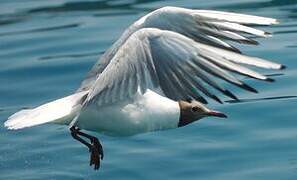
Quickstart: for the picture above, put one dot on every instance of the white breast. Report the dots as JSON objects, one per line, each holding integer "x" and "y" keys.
{"x": 148, "y": 112}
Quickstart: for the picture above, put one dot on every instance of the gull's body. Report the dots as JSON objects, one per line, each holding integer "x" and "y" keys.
{"x": 156, "y": 75}
{"x": 144, "y": 113}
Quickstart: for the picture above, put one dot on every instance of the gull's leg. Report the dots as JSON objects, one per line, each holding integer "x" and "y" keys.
{"x": 94, "y": 147}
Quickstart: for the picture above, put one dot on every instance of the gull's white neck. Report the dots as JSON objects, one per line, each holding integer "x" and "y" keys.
{"x": 157, "y": 111}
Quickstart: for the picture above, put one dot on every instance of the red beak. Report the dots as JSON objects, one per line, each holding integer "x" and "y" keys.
{"x": 217, "y": 114}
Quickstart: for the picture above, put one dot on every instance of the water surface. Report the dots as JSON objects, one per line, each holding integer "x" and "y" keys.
{"x": 47, "y": 47}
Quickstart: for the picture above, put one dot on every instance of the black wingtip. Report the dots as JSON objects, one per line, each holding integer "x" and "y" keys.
{"x": 202, "y": 100}
{"x": 216, "y": 99}
{"x": 249, "y": 41}
{"x": 234, "y": 49}
{"x": 282, "y": 67}
{"x": 270, "y": 80}
{"x": 248, "y": 88}
{"x": 253, "y": 42}
{"x": 229, "y": 94}
{"x": 197, "y": 98}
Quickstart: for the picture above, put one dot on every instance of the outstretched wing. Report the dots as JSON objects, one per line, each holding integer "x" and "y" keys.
{"x": 181, "y": 67}
{"x": 215, "y": 28}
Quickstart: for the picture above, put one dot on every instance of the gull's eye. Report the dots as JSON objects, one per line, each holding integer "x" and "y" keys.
{"x": 195, "y": 109}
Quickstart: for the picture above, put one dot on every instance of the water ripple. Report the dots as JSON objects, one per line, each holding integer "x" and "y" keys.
{"x": 46, "y": 49}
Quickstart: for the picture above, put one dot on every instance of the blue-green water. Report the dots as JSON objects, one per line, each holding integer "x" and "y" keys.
{"x": 47, "y": 47}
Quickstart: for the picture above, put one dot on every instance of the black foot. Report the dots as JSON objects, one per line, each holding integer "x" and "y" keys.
{"x": 96, "y": 153}
{"x": 95, "y": 148}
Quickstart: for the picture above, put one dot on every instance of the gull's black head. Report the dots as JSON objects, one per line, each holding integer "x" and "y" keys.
{"x": 193, "y": 110}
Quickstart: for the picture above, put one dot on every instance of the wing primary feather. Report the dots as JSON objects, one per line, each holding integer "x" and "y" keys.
{"x": 151, "y": 67}
{"x": 132, "y": 81}
{"x": 211, "y": 40}
{"x": 187, "y": 77}
{"x": 173, "y": 80}
{"x": 203, "y": 75}
{"x": 218, "y": 72}
{"x": 166, "y": 84}
{"x": 163, "y": 72}
{"x": 239, "y": 38}
{"x": 124, "y": 85}
{"x": 142, "y": 78}
{"x": 239, "y": 58}
{"x": 190, "y": 88}
{"x": 240, "y": 28}
{"x": 248, "y": 87}
{"x": 230, "y": 94}
{"x": 228, "y": 65}
{"x": 136, "y": 79}
{"x": 169, "y": 88}
{"x": 228, "y": 35}
{"x": 105, "y": 96}
{"x": 225, "y": 45}
{"x": 184, "y": 88}
{"x": 184, "y": 92}
{"x": 96, "y": 98}
{"x": 113, "y": 91}
{"x": 233, "y": 17}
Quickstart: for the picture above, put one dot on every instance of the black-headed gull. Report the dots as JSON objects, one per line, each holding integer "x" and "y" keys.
{"x": 156, "y": 76}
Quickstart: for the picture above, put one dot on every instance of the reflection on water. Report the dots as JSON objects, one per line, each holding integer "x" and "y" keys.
{"x": 260, "y": 99}
{"x": 46, "y": 49}
{"x": 40, "y": 30}
{"x": 91, "y": 6}
{"x": 71, "y": 56}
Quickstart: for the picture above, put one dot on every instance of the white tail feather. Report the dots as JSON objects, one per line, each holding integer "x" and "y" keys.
{"x": 59, "y": 110}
